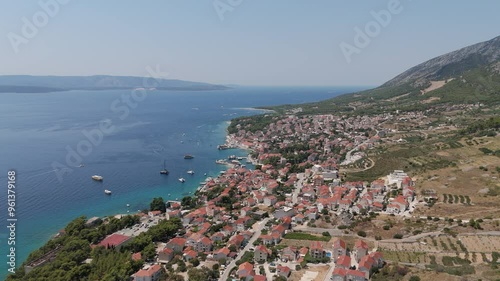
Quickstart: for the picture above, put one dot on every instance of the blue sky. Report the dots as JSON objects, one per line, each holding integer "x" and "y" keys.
{"x": 259, "y": 42}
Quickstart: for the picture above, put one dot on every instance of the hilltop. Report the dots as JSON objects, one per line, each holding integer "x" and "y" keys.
{"x": 467, "y": 75}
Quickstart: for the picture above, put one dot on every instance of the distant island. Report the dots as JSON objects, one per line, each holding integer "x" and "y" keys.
{"x": 46, "y": 84}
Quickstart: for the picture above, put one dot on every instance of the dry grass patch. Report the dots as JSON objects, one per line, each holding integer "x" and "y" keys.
{"x": 481, "y": 243}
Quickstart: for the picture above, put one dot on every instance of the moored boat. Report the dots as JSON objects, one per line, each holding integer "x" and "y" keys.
{"x": 164, "y": 171}
{"x": 97, "y": 178}
{"x": 221, "y": 162}
{"x": 108, "y": 192}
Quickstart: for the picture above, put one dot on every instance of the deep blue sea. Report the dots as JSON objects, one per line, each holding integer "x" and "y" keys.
{"x": 38, "y": 130}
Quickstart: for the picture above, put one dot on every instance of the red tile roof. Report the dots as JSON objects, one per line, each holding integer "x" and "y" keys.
{"x": 224, "y": 251}
{"x": 205, "y": 241}
{"x": 339, "y": 271}
{"x": 191, "y": 253}
{"x": 114, "y": 240}
{"x": 248, "y": 267}
{"x": 178, "y": 241}
{"x": 168, "y": 251}
{"x": 366, "y": 262}
{"x": 339, "y": 243}
{"x": 136, "y": 256}
{"x": 285, "y": 269}
{"x": 355, "y": 273}
{"x": 263, "y": 249}
{"x": 316, "y": 245}
{"x": 259, "y": 278}
{"x": 344, "y": 261}
{"x": 148, "y": 272}
{"x": 361, "y": 244}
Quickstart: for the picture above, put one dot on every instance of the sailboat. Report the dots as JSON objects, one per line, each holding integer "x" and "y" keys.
{"x": 164, "y": 171}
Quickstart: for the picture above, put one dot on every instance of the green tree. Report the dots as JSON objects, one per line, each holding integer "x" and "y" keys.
{"x": 149, "y": 252}
{"x": 158, "y": 204}
{"x": 75, "y": 226}
{"x": 195, "y": 262}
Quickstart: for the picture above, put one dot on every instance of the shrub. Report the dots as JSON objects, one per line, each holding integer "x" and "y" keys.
{"x": 362, "y": 233}
{"x": 398, "y": 236}
{"x": 414, "y": 278}
{"x": 195, "y": 262}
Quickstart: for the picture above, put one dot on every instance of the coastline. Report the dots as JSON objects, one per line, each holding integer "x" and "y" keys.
{"x": 256, "y": 109}
{"x": 121, "y": 177}
{"x": 190, "y": 190}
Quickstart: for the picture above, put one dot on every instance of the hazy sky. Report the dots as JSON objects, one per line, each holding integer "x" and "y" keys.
{"x": 258, "y": 42}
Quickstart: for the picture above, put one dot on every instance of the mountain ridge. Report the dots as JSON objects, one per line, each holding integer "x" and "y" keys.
{"x": 474, "y": 55}
{"x": 467, "y": 75}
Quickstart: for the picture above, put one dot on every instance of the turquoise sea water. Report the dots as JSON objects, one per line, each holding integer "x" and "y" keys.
{"x": 37, "y": 130}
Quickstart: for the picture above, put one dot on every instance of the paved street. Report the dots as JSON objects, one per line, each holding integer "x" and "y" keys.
{"x": 258, "y": 230}
{"x": 298, "y": 187}
{"x": 330, "y": 271}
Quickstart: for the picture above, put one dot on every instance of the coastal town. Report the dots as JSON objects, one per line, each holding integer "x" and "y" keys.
{"x": 295, "y": 216}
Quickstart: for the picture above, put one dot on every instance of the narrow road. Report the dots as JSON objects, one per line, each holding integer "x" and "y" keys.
{"x": 348, "y": 155}
{"x": 298, "y": 187}
{"x": 330, "y": 271}
{"x": 258, "y": 230}
{"x": 269, "y": 275}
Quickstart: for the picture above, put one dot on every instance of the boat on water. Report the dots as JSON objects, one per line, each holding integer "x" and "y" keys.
{"x": 108, "y": 192}
{"x": 81, "y": 166}
{"x": 221, "y": 162}
{"x": 240, "y": 158}
{"x": 182, "y": 180}
{"x": 97, "y": 178}
{"x": 222, "y": 147}
{"x": 188, "y": 156}
{"x": 164, "y": 171}
{"x": 232, "y": 157}
{"x": 191, "y": 172}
